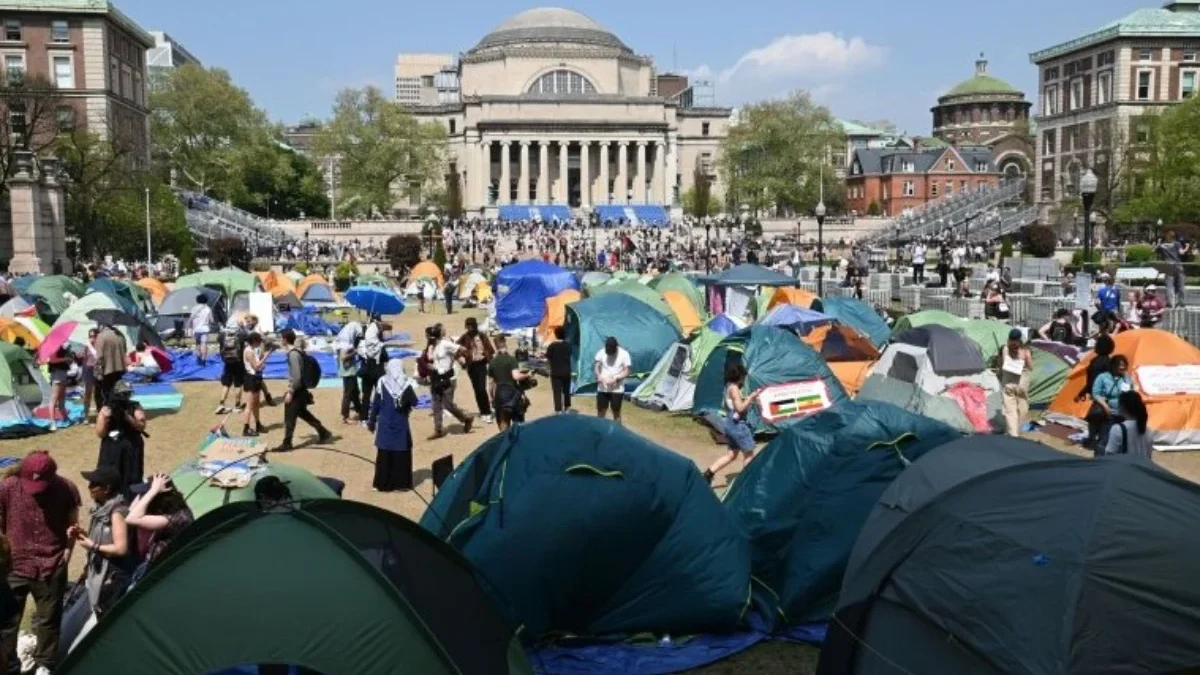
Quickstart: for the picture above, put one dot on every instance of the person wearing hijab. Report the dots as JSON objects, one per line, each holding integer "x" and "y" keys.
{"x": 390, "y": 408}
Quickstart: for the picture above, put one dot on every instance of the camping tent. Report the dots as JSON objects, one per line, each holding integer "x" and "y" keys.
{"x": 994, "y": 574}
{"x": 950, "y": 352}
{"x": 671, "y": 386}
{"x": 926, "y": 318}
{"x": 683, "y": 310}
{"x": 22, "y": 389}
{"x": 556, "y": 313}
{"x": 178, "y": 306}
{"x": 795, "y": 318}
{"x": 725, "y": 324}
{"x": 805, "y": 497}
{"x": 607, "y": 534}
{"x": 860, "y": 316}
{"x": 989, "y": 334}
{"x": 522, "y": 291}
{"x": 377, "y": 280}
{"x": 334, "y": 586}
{"x": 27, "y": 329}
{"x": 427, "y": 270}
{"x": 594, "y": 278}
{"x": 157, "y": 289}
{"x": 1165, "y": 370}
{"x": 639, "y": 328}
{"x": 674, "y": 281}
{"x": 638, "y": 291}
{"x": 474, "y": 285}
{"x": 315, "y": 290}
{"x": 122, "y": 295}
{"x": 203, "y": 496}
{"x": 1050, "y": 372}
{"x": 277, "y": 284}
{"x": 54, "y": 290}
{"x": 906, "y": 376}
{"x": 795, "y": 296}
{"x": 235, "y": 284}
{"x": 751, "y": 275}
{"x": 798, "y": 382}
{"x": 78, "y": 313}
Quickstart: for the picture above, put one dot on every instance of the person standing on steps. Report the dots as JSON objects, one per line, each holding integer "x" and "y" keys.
{"x": 612, "y": 365}
{"x": 738, "y": 434}
{"x": 441, "y": 353}
{"x": 298, "y": 397}
{"x": 479, "y": 351}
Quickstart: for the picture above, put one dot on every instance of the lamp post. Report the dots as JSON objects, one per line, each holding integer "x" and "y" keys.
{"x": 149, "y": 253}
{"x": 307, "y": 251}
{"x": 1087, "y": 190}
{"x": 820, "y": 213}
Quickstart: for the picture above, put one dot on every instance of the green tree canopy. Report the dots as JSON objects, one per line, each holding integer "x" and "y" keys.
{"x": 382, "y": 151}
{"x": 773, "y": 157}
{"x": 1167, "y": 186}
{"x": 278, "y": 182}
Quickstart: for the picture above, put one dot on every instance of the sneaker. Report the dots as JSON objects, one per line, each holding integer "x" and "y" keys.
{"x": 221, "y": 410}
{"x": 324, "y": 436}
{"x": 487, "y": 419}
{"x": 260, "y": 429}
{"x": 709, "y": 476}
{"x": 438, "y": 435}
{"x": 248, "y": 432}
{"x": 283, "y": 447}
{"x": 54, "y": 426}
{"x": 239, "y": 408}
{"x": 42, "y": 670}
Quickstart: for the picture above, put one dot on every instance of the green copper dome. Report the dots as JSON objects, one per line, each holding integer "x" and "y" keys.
{"x": 981, "y": 83}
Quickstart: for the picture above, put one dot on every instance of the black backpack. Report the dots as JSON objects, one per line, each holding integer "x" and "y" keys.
{"x": 232, "y": 345}
{"x": 310, "y": 371}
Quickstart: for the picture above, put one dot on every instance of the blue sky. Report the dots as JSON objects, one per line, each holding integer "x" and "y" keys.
{"x": 868, "y": 59}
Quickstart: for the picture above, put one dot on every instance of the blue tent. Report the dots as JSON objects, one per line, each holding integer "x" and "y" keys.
{"x": 860, "y": 316}
{"x": 723, "y": 325}
{"x": 522, "y": 291}
{"x": 772, "y": 356}
{"x": 639, "y": 328}
{"x": 607, "y": 534}
{"x": 805, "y": 498}
{"x": 751, "y": 275}
{"x": 319, "y": 293}
{"x": 795, "y": 318}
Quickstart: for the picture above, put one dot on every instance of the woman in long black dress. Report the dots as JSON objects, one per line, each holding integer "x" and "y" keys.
{"x": 390, "y": 407}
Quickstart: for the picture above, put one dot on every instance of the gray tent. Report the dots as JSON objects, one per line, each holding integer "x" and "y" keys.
{"x": 1006, "y": 559}
{"x": 950, "y": 352}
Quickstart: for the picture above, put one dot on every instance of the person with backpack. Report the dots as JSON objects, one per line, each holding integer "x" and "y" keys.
{"x": 1060, "y": 329}
{"x": 304, "y": 374}
{"x": 233, "y": 371}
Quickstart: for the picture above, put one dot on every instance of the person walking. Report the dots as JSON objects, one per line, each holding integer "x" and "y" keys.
{"x": 478, "y": 351}
{"x": 110, "y": 360}
{"x": 1016, "y": 369}
{"x": 38, "y": 508}
{"x": 441, "y": 353}
{"x": 1106, "y": 393}
{"x": 738, "y": 434}
{"x": 349, "y": 368}
{"x": 1132, "y": 435}
{"x": 298, "y": 397}
{"x": 200, "y": 323}
{"x": 611, "y": 366}
{"x": 233, "y": 365}
{"x": 373, "y": 356}
{"x": 389, "y": 421}
{"x": 505, "y": 376}
{"x": 558, "y": 354}
{"x": 254, "y": 359}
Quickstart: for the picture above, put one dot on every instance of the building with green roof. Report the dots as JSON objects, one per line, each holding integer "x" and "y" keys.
{"x": 985, "y": 110}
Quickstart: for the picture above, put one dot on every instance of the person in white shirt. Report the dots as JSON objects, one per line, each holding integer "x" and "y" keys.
{"x": 200, "y": 323}
{"x": 612, "y": 365}
{"x": 918, "y": 262}
{"x": 441, "y": 353}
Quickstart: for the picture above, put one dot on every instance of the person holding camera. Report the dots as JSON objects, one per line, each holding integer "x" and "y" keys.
{"x": 121, "y": 427}
{"x": 441, "y": 353}
{"x": 507, "y": 386}
{"x": 111, "y": 555}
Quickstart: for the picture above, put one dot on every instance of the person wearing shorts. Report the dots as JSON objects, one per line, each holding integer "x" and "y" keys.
{"x": 200, "y": 322}
{"x": 612, "y": 366}
{"x": 739, "y": 436}
{"x": 254, "y": 358}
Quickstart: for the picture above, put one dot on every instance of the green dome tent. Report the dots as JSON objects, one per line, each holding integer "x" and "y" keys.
{"x": 772, "y": 356}
{"x": 804, "y": 498}
{"x": 989, "y": 334}
{"x": 78, "y": 312}
{"x": 234, "y": 283}
{"x": 203, "y": 497}
{"x": 132, "y": 299}
{"x": 671, "y": 386}
{"x": 929, "y": 316}
{"x": 22, "y": 390}
{"x": 639, "y": 328}
{"x": 580, "y": 525}
{"x": 1050, "y": 373}
{"x": 637, "y": 291}
{"x": 334, "y": 586}
{"x": 674, "y": 281}
{"x": 53, "y": 289}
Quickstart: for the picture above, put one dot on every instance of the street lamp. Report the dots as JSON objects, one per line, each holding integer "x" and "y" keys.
{"x": 1087, "y": 190}
{"x": 820, "y": 213}
{"x": 1158, "y": 232}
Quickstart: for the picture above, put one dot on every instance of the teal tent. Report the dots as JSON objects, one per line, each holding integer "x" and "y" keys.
{"x": 804, "y": 499}
{"x": 119, "y": 293}
{"x": 640, "y": 329}
{"x": 772, "y": 356}
{"x": 859, "y": 316}
{"x": 581, "y": 526}
{"x": 54, "y": 290}
{"x": 334, "y": 586}
{"x": 1050, "y": 372}
{"x": 637, "y": 291}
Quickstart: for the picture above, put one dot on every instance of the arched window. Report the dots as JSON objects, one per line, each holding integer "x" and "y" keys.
{"x": 562, "y": 82}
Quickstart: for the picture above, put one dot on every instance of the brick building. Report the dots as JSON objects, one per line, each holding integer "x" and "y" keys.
{"x": 987, "y": 111}
{"x": 895, "y": 179}
{"x": 1097, "y": 89}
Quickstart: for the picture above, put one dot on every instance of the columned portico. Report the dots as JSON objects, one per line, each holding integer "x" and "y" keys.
{"x": 564, "y": 154}
{"x": 523, "y": 186}
{"x": 505, "y": 196}
{"x": 639, "y": 185}
{"x": 543, "y": 191}
{"x": 605, "y": 165}
{"x": 622, "y": 191}
{"x": 585, "y": 175}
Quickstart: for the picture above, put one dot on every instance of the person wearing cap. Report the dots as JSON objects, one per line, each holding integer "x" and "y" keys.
{"x": 1150, "y": 308}
{"x": 612, "y": 365}
{"x": 110, "y": 563}
{"x": 1016, "y": 367}
{"x": 37, "y": 511}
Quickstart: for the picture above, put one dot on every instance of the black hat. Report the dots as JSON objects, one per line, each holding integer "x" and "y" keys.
{"x": 1016, "y": 334}
{"x": 103, "y": 475}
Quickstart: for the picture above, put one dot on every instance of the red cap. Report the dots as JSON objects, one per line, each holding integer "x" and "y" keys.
{"x": 36, "y": 471}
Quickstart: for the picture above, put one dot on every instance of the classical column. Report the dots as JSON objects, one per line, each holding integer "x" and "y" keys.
{"x": 672, "y": 169}
{"x": 639, "y": 186}
{"x": 483, "y": 174}
{"x": 543, "y": 190}
{"x": 622, "y": 189}
{"x": 25, "y": 211}
{"x": 660, "y": 175}
{"x": 505, "y": 174}
{"x": 564, "y": 153}
{"x": 605, "y": 194}
{"x": 585, "y": 175}
{"x": 523, "y": 185}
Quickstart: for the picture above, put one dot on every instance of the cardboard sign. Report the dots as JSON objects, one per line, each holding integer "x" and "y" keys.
{"x": 1083, "y": 291}
{"x": 793, "y": 400}
{"x": 1168, "y": 380}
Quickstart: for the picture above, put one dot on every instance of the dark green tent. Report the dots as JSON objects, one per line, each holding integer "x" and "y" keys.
{"x": 640, "y": 329}
{"x": 772, "y": 356}
{"x": 330, "y": 585}
{"x": 1005, "y": 562}
{"x": 584, "y": 527}
{"x": 804, "y": 499}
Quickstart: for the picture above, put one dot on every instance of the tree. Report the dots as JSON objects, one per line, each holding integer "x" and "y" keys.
{"x": 1165, "y": 176}
{"x": 772, "y": 158}
{"x": 96, "y": 172}
{"x": 34, "y": 114}
{"x": 1039, "y": 241}
{"x": 227, "y": 252}
{"x": 278, "y": 182}
{"x": 874, "y": 210}
{"x": 698, "y": 201}
{"x": 404, "y": 251}
{"x": 202, "y": 125}
{"x": 120, "y": 222}
{"x": 382, "y": 150}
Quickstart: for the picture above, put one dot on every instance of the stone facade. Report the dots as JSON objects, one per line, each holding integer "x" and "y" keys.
{"x": 33, "y": 229}
{"x": 986, "y": 111}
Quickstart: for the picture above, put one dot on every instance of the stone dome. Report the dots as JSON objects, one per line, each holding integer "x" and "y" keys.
{"x": 550, "y": 25}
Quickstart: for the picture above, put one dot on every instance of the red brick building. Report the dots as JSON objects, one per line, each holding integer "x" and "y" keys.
{"x": 895, "y": 179}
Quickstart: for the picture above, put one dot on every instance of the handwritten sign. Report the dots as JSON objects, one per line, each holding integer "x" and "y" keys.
{"x": 793, "y": 400}
{"x": 1169, "y": 380}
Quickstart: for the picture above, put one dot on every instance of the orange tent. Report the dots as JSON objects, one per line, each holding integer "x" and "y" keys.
{"x": 11, "y": 329}
{"x": 277, "y": 283}
{"x": 556, "y": 313}
{"x": 309, "y": 280}
{"x": 852, "y": 374}
{"x": 428, "y": 270}
{"x": 689, "y": 318}
{"x": 156, "y": 289}
{"x": 1165, "y": 370}
{"x": 792, "y": 296}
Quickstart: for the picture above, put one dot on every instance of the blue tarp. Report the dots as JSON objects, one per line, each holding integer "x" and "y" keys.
{"x": 188, "y": 368}
{"x": 723, "y": 325}
{"x": 795, "y": 318}
{"x": 522, "y": 290}
{"x": 634, "y": 214}
{"x": 308, "y": 321}
{"x": 542, "y": 212}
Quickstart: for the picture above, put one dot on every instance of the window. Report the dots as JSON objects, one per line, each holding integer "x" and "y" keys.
{"x": 1051, "y": 101}
{"x": 962, "y": 186}
{"x": 17, "y": 124}
{"x": 64, "y": 118}
{"x": 426, "y": 80}
{"x": 933, "y": 189}
{"x": 949, "y": 165}
{"x": 1103, "y": 88}
{"x": 1141, "y": 134}
{"x": 1189, "y": 55}
{"x": 1187, "y": 84}
{"x": 1145, "y": 55}
{"x": 1106, "y": 59}
{"x": 563, "y": 82}
{"x": 981, "y": 166}
{"x": 453, "y": 127}
{"x": 139, "y": 92}
{"x": 12, "y": 30}
{"x": 907, "y": 166}
{"x": 126, "y": 82}
{"x": 64, "y": 72}
{"x": 14, "y": 68}
{"x": 1048, "y": 143}
{"x": 910, "y": 188}
{"x": 704, "y": 129}
{"x": 59, "y": 31}
{"x": 1051, "y": 74}
{"x": 1144, "y": 80}
{"x": 949, "y": 188}
{"x": 114, "y": 75}
{"x": 1076, "y": 93}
